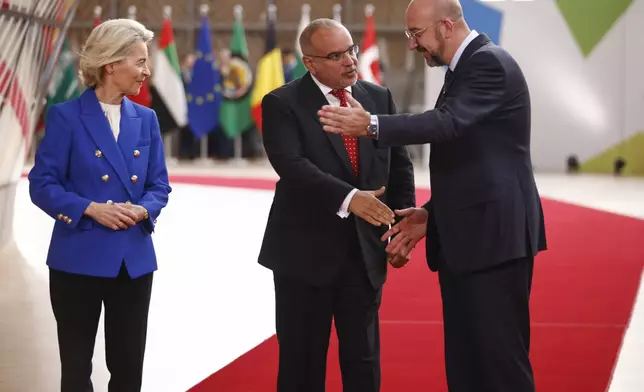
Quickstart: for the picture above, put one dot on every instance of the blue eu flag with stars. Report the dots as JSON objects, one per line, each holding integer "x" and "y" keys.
{"x": 204, "y": 90}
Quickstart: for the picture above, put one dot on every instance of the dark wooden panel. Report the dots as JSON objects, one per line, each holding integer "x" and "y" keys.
{"x": 222, "y": 10}
{"x": 386, "y": 11}
{"x": 291, "y": 11}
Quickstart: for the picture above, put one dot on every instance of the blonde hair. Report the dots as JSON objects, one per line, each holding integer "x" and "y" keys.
{"x": 109, "y": 42}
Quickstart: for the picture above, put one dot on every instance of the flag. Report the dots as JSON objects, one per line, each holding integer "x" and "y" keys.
{"x": 300, "y": 69}
{"x": 204, "y": 89}
{"x": 166, "y": 121}
{"x": 270, "y": 74}
{"x": 167, "y": 76}
{"x": 237, "y": 79}
{"x": 63, "y": 84}
{"x": 369, "y": 59}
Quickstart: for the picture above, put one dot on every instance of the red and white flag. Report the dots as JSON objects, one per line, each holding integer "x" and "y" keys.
{"x": 369, "y": 58}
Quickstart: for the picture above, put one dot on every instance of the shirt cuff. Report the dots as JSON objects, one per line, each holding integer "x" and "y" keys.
{"x": 343, "y": 212}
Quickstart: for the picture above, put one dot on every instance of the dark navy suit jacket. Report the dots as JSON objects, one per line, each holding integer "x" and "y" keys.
{"x": 305, "y": 238}
{"x": 485, "y": 208}
{"x": 79, "y": 161}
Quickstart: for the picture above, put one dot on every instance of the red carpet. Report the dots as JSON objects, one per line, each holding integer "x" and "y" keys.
{"x": 583, "y": 291}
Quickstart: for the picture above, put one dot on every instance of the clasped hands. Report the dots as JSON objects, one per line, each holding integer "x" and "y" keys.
{"x": 406, "y": 233}
{"x": 116, "y": 216}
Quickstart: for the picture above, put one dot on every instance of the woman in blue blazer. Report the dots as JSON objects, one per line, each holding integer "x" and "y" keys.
{"x": 100, "y": 172}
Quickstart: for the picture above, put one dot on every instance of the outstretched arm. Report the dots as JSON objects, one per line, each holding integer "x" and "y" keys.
{"x": 482, "y": 93}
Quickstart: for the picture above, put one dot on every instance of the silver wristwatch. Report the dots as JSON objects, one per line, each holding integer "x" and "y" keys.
{"x": 372, "y": 129}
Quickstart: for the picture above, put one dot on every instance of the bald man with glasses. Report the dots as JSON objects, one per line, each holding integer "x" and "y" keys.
{"x": 333, "y": 202}
{"x": 484, "y": 224}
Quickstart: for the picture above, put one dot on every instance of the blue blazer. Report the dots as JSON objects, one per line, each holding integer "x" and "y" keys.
{"x": 79, "y": 161}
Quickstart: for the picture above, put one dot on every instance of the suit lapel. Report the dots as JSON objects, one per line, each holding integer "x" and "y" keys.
{"x": 96, "y": 124}
{"x": 130, "y": 132}
{"x": 469, "y": 50}
{"x": 314, "y": 99}
{"x": 366, "y": 148}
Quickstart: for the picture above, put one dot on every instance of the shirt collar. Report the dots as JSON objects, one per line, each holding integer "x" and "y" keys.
{"x": 457, "y": 56}
{"x": 326, "y": 89}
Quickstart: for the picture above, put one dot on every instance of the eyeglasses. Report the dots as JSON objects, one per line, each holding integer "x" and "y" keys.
{"x": 414, "y": 36}
{"x": 337, "y": 56}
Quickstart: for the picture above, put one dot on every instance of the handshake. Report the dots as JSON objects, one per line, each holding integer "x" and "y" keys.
{"x": 406, "y": 233}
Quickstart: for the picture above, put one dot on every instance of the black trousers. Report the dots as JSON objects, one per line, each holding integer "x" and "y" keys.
{"x": 77, "y": 301}
{"x": 303, "y": 323}
{"x": 487, "y": 328}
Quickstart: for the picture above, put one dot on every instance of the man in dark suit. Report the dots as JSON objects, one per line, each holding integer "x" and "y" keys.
{"x": 322, "y": 239}
{"x": 484, "y": 223}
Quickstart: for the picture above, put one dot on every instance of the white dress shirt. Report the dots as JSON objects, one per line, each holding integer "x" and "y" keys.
{"x": 457, "y": 56}
{"x": 113, "y": 115}
{"x": 343, "y": 212}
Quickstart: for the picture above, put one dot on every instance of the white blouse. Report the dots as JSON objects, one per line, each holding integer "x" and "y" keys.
{"x": 113, "y": 115}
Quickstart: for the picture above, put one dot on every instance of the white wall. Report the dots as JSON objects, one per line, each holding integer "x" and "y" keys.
{"x": 580, "y": 105}
{"x": 633, "y": 66}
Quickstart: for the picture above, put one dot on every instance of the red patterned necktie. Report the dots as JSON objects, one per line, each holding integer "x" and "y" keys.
{"x": 350, "y": 142}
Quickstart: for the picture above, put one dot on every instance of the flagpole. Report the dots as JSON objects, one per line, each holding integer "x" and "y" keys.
{"x": 238, "y": 160}
{"x": 131, "y": 12}
{"x": 369, "y": 9}
{"x": 203, "y": 153}
{"x": 203, "y": 142}
{"x": 168, "y": 138}
{"x": 337, "y": 13}
{"x": 271, "y": 15}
